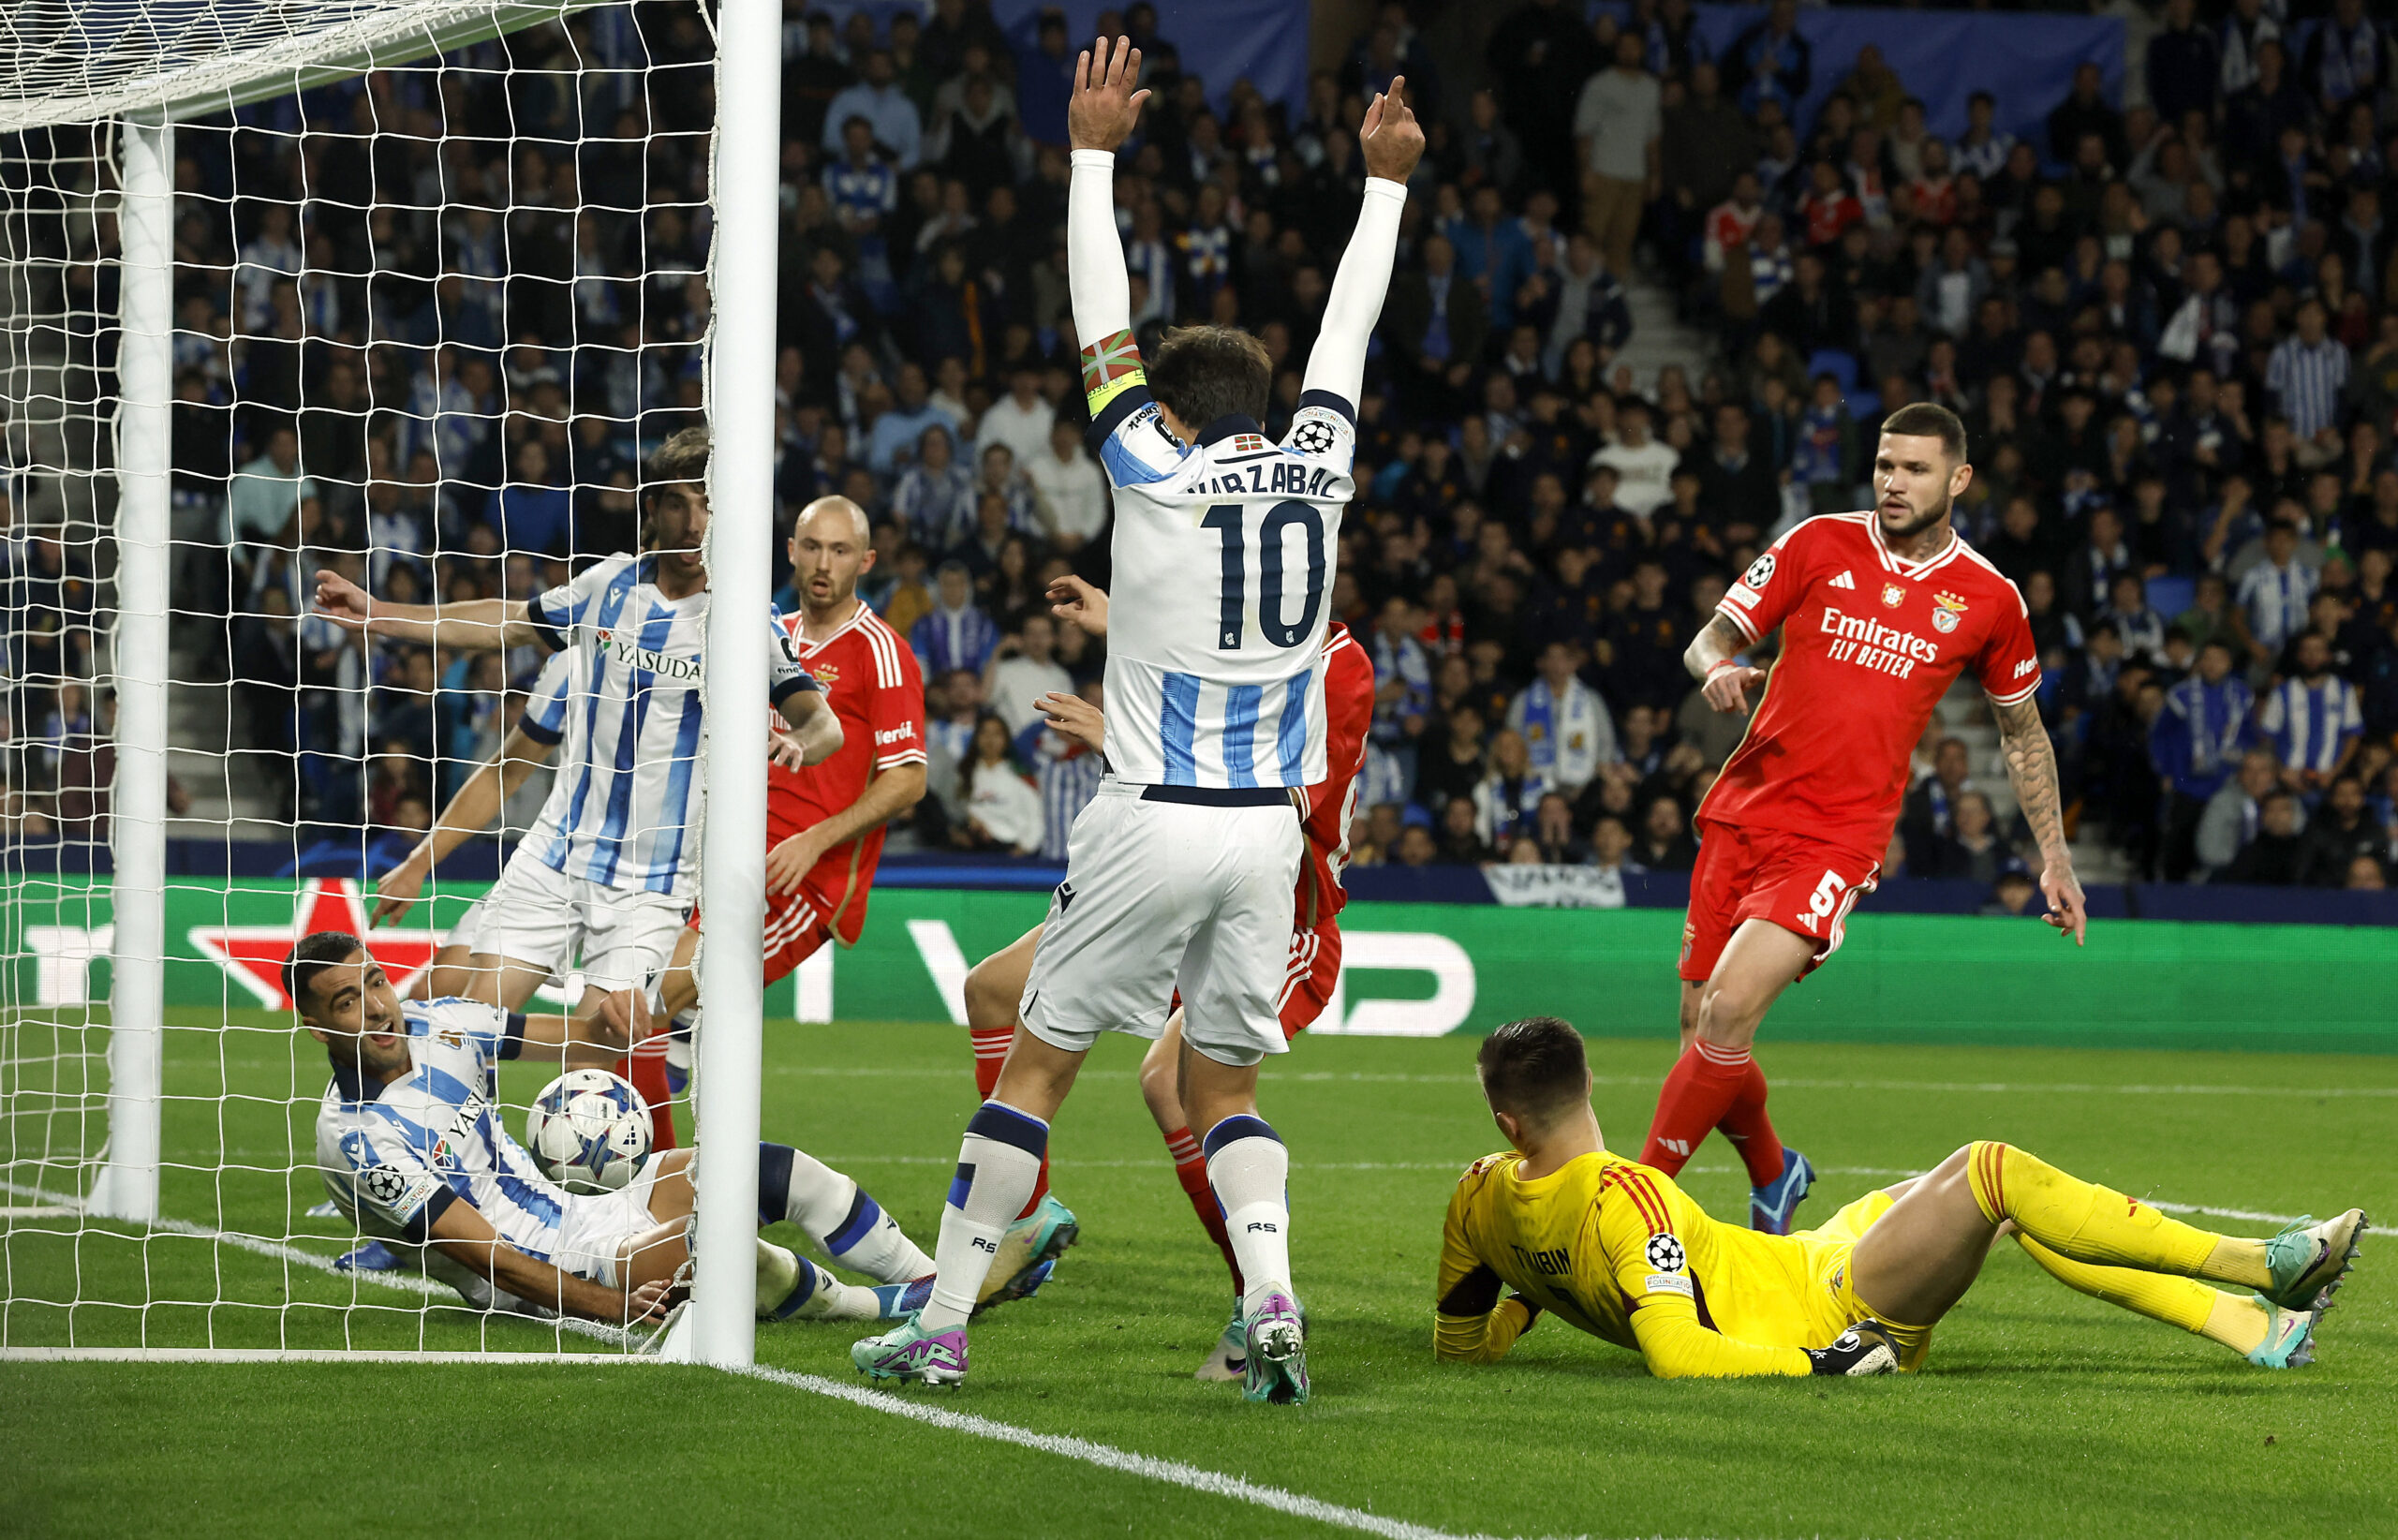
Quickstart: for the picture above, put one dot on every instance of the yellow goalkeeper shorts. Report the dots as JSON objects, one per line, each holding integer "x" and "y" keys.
{"x": 1833, "y": 1304}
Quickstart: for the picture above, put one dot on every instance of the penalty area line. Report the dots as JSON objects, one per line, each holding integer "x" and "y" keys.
{"x": 1107, "y": 1458}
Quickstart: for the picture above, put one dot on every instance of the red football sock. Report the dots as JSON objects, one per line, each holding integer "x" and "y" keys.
{"x": 990, "y": 1052}
{"x": 1752, "y": 1131}
{"x": 1191, "y": 1170}
{"x": 647, "y": 1069}
{"x": 1698, "y": 1091}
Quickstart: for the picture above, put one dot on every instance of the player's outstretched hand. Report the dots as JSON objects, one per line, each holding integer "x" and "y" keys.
{"x": 1072, "y": 598}
{"x": 1727, "y": 686}
{"x": 342, "y": 601}
{"x": 397, "y": 891}
{"x": 1392, "y": 140}
{"x": 1076, "y": 718}
{"x": 792, "y": 860}
{"x": 1864, "y": 1348}
{"x": 621, "y": 1019}
{"x": 648, "y": 1302}
{"x": 2067, "y": 912}
{"x": 1100, "y": 113}
{"x": 784, "y": 751}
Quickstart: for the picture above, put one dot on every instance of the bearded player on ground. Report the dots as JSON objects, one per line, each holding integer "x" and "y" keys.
{"x": 1879, "y": 612}
{"x": 996, "y": 986}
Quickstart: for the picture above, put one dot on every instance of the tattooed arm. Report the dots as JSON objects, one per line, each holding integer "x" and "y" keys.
{"x": 1710, "y": 657}
{"x": 2032, "y": 768}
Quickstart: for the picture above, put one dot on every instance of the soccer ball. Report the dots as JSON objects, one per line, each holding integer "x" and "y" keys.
{"x": 588, "y": 1130}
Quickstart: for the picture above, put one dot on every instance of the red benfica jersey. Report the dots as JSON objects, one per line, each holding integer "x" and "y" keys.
{"x": 1348, "y": 711}
{"x": 1870, "y": 643}
{"x": 870, "y": 678}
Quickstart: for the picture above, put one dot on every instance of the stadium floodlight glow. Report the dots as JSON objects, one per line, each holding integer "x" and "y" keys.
{"x": 293, "y": 283}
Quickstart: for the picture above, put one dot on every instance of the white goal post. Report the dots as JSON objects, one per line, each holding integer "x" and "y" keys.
{"x": 125, "y": 74}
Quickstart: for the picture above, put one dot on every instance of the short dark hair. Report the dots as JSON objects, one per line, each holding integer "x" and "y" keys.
{"x": 1926, "y": 420}
{"x": 1532, "y": 1069}
{"x": 311, "y": 955}
{"x": 1202, "y": 373}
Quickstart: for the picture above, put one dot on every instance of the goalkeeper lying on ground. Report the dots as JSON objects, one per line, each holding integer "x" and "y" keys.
{"x": 1617, "y": 1251}
{"x": 412, "y": 1149}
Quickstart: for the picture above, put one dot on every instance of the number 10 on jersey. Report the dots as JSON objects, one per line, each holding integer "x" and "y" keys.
{"x": 1224, "y": 518}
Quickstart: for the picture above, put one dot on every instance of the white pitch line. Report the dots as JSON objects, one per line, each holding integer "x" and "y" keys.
{"x": 838, "y": 1161}
{"x": 306, "y": 1356}
{"x": 1979, "y": 1087}
{"x": 1148, "y": 1467}
{"x": 1105, "y": 1456}
{"x": 405, "y": 1282}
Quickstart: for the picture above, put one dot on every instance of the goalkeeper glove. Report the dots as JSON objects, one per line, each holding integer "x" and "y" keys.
{"x": 1864, "y": 1348}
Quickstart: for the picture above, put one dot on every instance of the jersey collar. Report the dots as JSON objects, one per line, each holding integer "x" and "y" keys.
{"x": 356, "y": 1087}
{"x": 799, "y": 628}
{"x": 1224, "y": 427}
{"x": 1893, "y": 562}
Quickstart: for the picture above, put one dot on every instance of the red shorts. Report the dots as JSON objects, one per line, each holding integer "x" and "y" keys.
{"x": 795, "y": 927}
{"x": 1803, "y": 885}
{"x": 1307, "y": 983}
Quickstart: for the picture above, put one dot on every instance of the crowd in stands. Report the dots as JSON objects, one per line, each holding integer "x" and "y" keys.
{"x": 2171, "y": 330}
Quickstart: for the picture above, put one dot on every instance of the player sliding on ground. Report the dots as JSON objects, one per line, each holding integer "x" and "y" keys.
{"x": 1879, "y": 612}
{"x": 996, "y": 986}
{"x": 1180, "y": 872}
{"x": 605, "y": 878}
{"x": 1614, "y": 1249}
{"x": 411, "y": 1147}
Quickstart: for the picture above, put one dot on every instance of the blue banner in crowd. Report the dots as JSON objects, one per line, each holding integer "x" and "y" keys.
{"x": 1943, "y": 56}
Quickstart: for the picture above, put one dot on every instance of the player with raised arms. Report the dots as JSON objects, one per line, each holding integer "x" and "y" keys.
{"x": 1180, "y": 872}
{"x": 1614, "y": 1248}
{"x": 996, "y": 986}
{"x": 1879, "y": 612}
{"x": 411, "y": 1147}
{"x": 606, "y": 876}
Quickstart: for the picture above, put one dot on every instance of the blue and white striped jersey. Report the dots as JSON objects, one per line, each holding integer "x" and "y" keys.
{"x": 1224, "y": 554}
{"x": 393, "y": 1157}
{"x": 545, "y": 700}
{"x": 625, "y": 809}
{"x": 2311, "y": 724}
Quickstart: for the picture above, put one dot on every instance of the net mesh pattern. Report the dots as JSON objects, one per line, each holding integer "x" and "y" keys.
{"x": 428, "y": 320}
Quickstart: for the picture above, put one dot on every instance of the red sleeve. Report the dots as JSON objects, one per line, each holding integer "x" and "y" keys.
{"x": 1765, "y": 594}
{"x": 2009, "y": 663}
{"x": 1348, "y": 711}
{"x": 895, "y": 710}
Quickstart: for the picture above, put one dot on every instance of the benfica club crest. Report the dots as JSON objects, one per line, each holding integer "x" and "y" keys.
{"x": 1946, "y": 608}
{"x": 1893, "y": 596}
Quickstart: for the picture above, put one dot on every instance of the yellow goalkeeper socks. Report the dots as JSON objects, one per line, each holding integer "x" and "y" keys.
{"x": 2236, "y": 1321}
{"x": 2090, "y": 1223}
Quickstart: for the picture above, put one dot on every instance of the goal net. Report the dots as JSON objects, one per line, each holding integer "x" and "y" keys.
{"x": 402, "y": 292}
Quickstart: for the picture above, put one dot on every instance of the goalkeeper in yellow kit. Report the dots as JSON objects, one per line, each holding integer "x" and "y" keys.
{"x": 1617, "y": 1251}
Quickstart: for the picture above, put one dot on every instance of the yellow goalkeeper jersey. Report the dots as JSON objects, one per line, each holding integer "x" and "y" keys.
{"x": 1616, "y": 1249}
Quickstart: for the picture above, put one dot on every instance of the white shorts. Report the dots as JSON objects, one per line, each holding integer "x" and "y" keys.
{"x": 597, "y": 1224}
{"x": 539, "y": 916}
{"x": 1162, "y": 897}
{"x": 462, "y": 933}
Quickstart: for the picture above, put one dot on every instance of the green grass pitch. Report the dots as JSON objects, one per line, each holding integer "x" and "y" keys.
{"x": 2041, "y": 1412}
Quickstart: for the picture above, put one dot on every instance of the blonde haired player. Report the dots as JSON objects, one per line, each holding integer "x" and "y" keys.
{"x": 1614, "y": 1249}
{"x": 1180, "y": 870}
